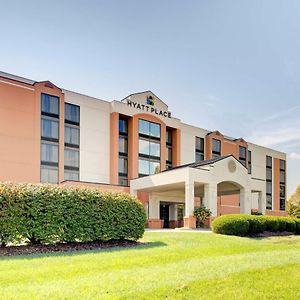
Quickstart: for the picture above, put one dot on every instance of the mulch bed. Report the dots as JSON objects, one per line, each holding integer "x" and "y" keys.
{"x": 65, "y": 247}
{"x": 269, "y": 233}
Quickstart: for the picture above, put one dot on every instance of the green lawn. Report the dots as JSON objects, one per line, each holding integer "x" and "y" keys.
{"x": 179, "y": 265}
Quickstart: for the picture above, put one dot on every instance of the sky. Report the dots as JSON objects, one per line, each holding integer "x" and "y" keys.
{"x": 232, "y": 66}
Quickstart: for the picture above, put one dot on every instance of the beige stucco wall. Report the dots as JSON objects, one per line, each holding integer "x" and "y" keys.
{"x": 94, "y": 137}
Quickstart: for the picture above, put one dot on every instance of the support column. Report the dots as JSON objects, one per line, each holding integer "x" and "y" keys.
{"x": 210, "y": 200}
{"x": 261, "y": 203}
{"x": 154, "y": 220}
{"x": 173, "y": 216}
{"x": 245, "y": 201}
{"x": 189, "y": 219}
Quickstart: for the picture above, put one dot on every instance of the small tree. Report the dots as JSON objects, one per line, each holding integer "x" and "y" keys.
{"x": 293, "y": 204}
{"x": 202, "y": 214}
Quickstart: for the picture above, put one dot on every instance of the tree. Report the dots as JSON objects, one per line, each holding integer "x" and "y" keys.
{"x": 293, "y": 204}
{"x": 202, "y": 214}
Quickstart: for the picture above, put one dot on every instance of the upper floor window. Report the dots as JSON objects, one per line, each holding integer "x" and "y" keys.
{"x": 149, "y": 129}
{"x": 269, "y": 198}
{"x": 282, "y": 184}
{"x": 72, "y": 113}
{"x": 50, "y": 105}
{"x": 199, "y": 148}
{"x": 242, "y": 155}
{"x": 71, "y": 136}
{"x": 249, "y": 162}
{"x": 123, "y": 126}
{"x": 216, "y": 148}
{"x": 49, "y": 128}
{"x": 169, "y": 137}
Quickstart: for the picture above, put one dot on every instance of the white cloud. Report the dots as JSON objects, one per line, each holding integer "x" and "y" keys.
{"x": 294, "y": 155}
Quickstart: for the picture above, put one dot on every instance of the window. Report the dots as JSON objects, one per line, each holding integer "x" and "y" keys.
{"x": 149, "y": 129}
{"x": 71, "y": 158}
{"x": 199, "y": 149}
{"x": 242, "y": 155}
{"x": 50, "y": 105}
{"x": 72, "y": 114}
{"x": 249, "y": 162}
{"x": 49, "y": 128}
{"x": 123, "y": 151}
{"x": 72, "y": 136}
{"x": 123, "y": 166}
{"x": 71, "y": 175}
{"x": 49, "y": 153}
{"x": 148, "y": 167}
{"x": 123, "y": 126}
{"x": 149, "y": 147}
{"x": 216, "y": 148}
{"x": 123, "y": 145}
{"x": 169, "y": 147}
{"x": 269, "y": 201}
{"x": 49, "y": 138}
{"x": 49, "y": 174}
{"x": 282, "y": 185}
{"x": 72, "y": 142}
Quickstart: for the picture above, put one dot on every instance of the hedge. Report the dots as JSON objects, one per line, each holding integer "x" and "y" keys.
{"x": 242, "y": 225}
{"x": 49, "y": 214}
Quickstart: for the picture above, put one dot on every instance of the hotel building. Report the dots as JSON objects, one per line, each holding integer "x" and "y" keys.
{"x": 135, "y": 145}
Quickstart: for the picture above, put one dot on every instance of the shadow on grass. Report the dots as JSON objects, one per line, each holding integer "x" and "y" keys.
{"x": 139, "y": 246}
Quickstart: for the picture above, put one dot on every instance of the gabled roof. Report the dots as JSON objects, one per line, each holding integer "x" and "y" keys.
{"x": 203, "y": 163}
{"x": 144, "y": 93}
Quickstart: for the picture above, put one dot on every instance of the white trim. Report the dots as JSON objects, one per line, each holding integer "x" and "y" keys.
{"x": 10, "y": 83}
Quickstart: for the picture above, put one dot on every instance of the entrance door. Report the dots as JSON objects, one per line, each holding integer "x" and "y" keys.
{"x": 164, "y": 214}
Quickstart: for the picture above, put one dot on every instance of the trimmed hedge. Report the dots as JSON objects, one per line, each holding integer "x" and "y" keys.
{"x": 50, "y": 214}
{"x": 242, "y": 225}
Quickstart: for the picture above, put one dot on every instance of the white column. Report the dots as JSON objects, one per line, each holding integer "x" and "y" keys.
{"x": 189, "y": 199}
{"x": 173, "y": 212}
{"x": 245, "y": 201}
{"x": 210, "y": 198}
{"x": 153, "y": 208}
{"x": 261, "y": 202}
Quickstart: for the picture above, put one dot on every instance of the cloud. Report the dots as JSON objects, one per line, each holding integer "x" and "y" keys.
{"x": 294, "y": 155}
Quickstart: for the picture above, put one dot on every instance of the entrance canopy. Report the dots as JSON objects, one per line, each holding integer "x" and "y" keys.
{"x": 206, "y": 179}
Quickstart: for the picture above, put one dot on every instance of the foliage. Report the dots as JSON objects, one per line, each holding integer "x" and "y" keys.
{"x": 242, "y": 225}
{"x": 51, "y": 214}
{"x": 293, "y": 204}
{"x": 231, "y": 225}
{"x": 202, "y": 214}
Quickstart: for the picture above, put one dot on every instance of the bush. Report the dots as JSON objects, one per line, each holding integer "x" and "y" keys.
{"x": 297, "y": 221}
{"x": 231, "y": 225}
{"x": 242, "y": 225}
{"x": 202, "y": 214}
{"x": 50, "y": 214}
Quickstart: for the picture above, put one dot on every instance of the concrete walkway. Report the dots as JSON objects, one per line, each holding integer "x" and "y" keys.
{"x": 199, "y": 230}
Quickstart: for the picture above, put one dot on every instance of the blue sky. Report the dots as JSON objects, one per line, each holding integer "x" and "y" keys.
{"x": 227, "y": 65}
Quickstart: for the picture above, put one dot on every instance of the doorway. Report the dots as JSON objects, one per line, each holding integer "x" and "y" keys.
{"x": 164, "y": 214}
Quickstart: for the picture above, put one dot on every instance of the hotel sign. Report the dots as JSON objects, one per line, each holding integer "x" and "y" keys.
{"x": 149, "y": 107}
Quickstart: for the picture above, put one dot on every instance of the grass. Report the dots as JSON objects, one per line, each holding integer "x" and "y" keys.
{"x": 179, "y": 265}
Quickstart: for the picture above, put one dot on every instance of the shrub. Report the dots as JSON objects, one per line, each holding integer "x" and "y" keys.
{"x": 297, "y": 221}
{"x": 271, "y": 223}
{"x": 236, "y": 224}
{"x": 231, "y": 225}
{"x": 51, "y": 214}
{"x": 202, "y": 214}
{"x": 257, "y": 224}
